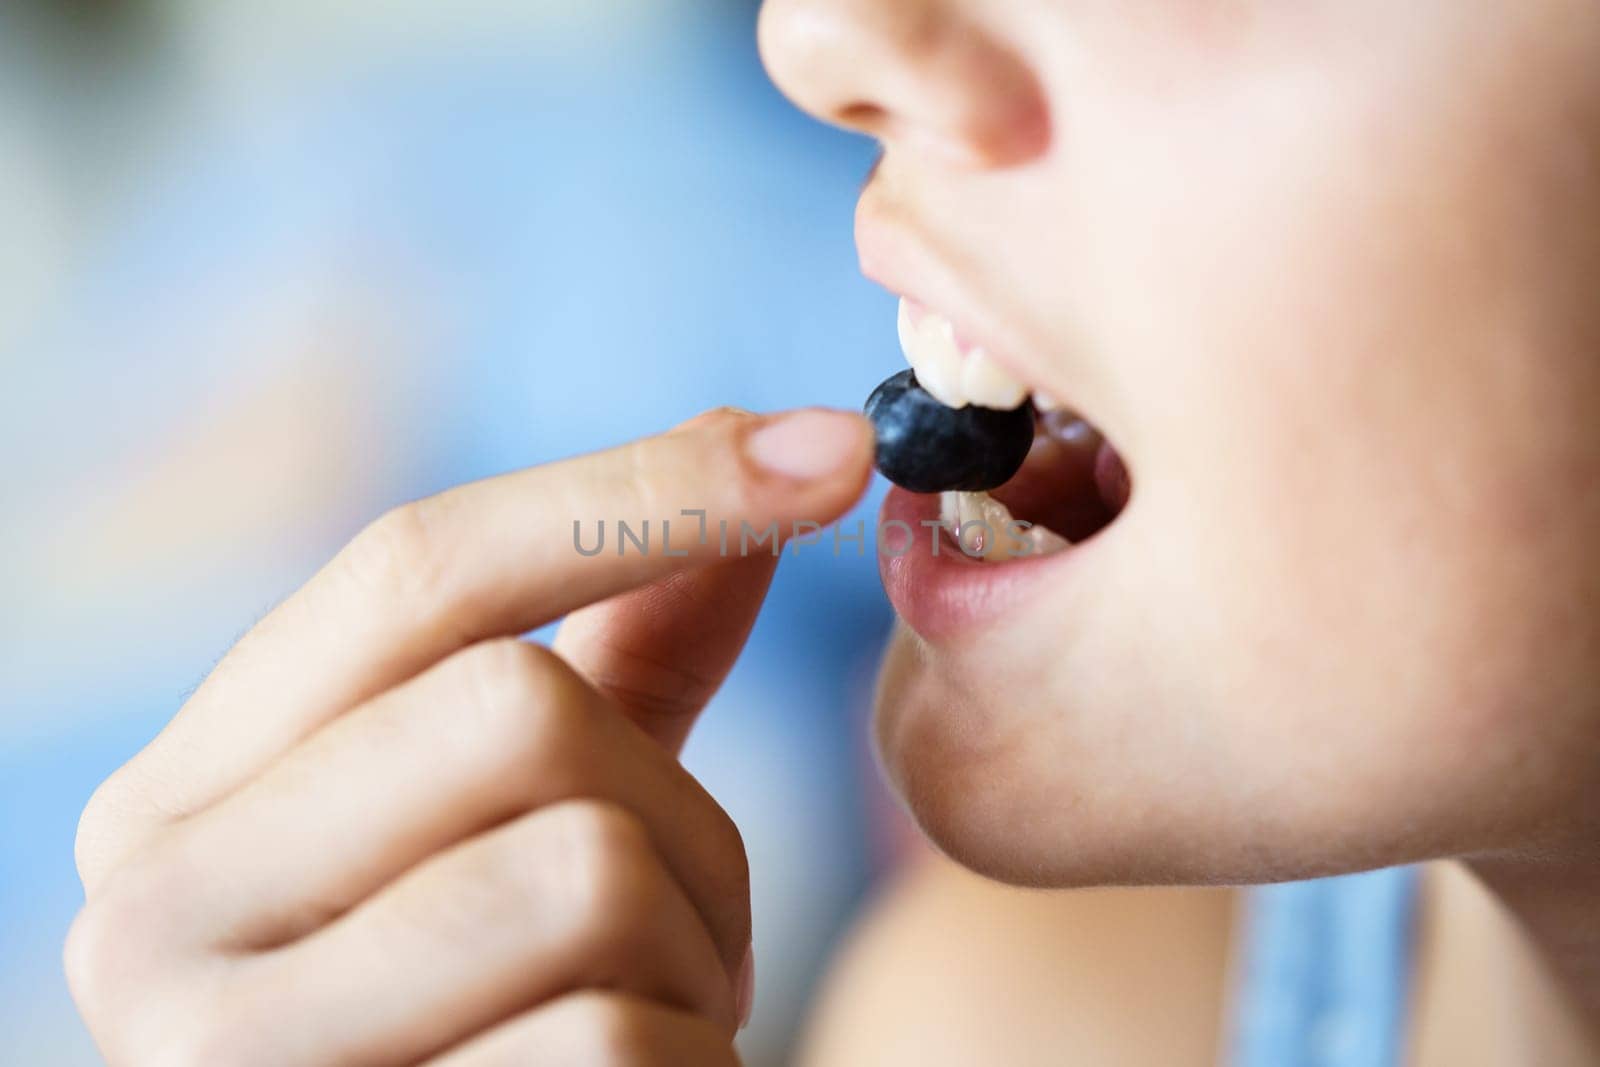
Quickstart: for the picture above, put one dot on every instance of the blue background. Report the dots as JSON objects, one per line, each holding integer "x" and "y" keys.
{"x": 271, "y": 272}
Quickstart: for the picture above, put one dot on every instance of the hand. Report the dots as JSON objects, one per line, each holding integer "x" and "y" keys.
{"x": 385, "y": 830}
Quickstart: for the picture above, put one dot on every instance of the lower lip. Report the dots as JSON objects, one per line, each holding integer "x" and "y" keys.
{"x": 940, "y": 591}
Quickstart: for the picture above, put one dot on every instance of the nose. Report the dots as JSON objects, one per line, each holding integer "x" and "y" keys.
{"x": 913, "y": 73}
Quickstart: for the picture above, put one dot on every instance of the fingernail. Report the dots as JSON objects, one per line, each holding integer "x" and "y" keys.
{"x": 707, "y": 416}
{"x": 747, "y": 986}
{"x": 807, "y": 444}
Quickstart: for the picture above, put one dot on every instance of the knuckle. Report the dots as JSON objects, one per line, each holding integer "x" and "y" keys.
{"x": 736, "y": 858}
{"x": 119, "y": 817}
{"x": 105, "y": 947}
{"x": 638, "y": 474}
{"x": 94, "y": 839}
{"x": 613, "y": 879}
{"x": 505, "y": 675}
{"x": 731, "y": 871}
{"x": 115, "y": 951}
{"x": 89, "y": 947}
{"x": 523, "y": 698}
{"x": 648, "y": 471}
{"x": 399, "y": 555}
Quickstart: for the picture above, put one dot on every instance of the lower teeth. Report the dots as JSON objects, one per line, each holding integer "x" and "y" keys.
{"x": 983, "y": 528}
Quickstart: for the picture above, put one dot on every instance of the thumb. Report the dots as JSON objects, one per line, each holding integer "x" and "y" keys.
{"x": 663, "y": 650}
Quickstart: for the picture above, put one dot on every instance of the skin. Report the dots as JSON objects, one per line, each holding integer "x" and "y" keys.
{"x": 387, "y": 831}
{"x": 1322, "y": 271}
{"x": 1348, "y": 349}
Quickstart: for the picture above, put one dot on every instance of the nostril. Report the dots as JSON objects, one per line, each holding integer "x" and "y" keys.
{"x": 862, "y": 115}
{"x": 912, "y": 72}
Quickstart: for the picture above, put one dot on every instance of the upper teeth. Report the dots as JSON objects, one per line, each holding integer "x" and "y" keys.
{"x": 953, "y": 377}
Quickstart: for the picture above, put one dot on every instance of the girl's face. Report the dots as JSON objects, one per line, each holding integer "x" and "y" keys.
{"x": 1327, "y": 274}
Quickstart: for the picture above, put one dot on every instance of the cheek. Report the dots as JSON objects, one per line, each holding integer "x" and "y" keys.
{"x": 1349, "y": 309}
{"x": 1349, "y": 348}
{"x": 1358, "y": 363}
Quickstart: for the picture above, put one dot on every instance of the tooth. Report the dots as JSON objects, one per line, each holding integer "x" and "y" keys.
{"x": 957, "y": 510}
{"x": 1006, "y": 544}
{"x": 1068, "y": 428}
{"x": 954, "y": 511}
{"x": 1044, "y": 542}
{"x": 930, "y": 348}
{"x": 976, "y": 535}
{"x": 982, "y": 527}
{"x": 985, "y": 383}
{"x": 1046, "y": 403}
{"x": 907, "y": 331}
{"x": 950, "y": 509}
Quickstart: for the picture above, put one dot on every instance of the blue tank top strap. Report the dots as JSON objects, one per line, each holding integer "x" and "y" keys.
{"x": 1324, "y": 972}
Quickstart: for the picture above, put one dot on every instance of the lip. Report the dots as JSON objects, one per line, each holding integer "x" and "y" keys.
{"x": 898, "y": 256}
{"x": 940, "y": 592}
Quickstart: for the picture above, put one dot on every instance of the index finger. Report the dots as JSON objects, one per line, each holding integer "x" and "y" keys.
{"x": 496, "y": 558}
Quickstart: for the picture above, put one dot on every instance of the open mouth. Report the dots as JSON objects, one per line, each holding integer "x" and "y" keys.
{"x": 1070, "y": 485}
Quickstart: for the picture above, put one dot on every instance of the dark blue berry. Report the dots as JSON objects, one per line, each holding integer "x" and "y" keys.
{"x": 927, "y": 447}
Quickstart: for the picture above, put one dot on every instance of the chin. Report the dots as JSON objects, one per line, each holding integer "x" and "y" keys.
{"x": 1046, "y": 784}
{"x": 986, "y": 786}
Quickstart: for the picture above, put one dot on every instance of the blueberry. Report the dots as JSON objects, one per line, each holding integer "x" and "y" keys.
{"x": 927, "y": 447}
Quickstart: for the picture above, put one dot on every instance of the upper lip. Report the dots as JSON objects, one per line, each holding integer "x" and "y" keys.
{"x": 903, "y": 257}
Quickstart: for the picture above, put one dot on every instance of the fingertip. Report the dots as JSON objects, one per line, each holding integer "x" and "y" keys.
{"x": 813, "y": 444}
